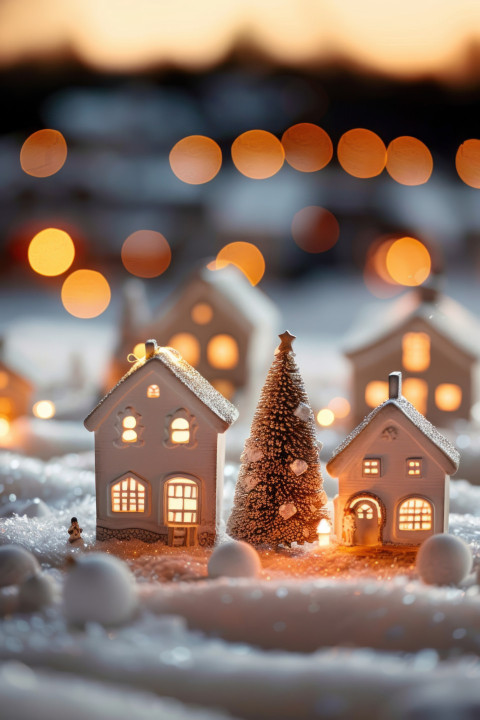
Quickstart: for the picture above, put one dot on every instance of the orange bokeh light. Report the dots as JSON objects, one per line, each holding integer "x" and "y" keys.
{"x": 315, "y": 229}
{"x": 86, "y": 294}
{"x": 307, "y": 147}
{"x": 258, "y": 154}
{"x": 408, "y": 261}
{"x": 44, "y": 409}
{"x": 361, "y": 153}
{"x": 146, "y": 253}
{"x": 51, "y": 252}
{"x": 376, "y": 275}
{"x": 43, "y": 153}
{"x": 195, "y": 159}
{"x": 467, "y": 162}
{"x": 409, "y": 161}
{"x": 246, "y": 257}
{"x": 340, "y": 407}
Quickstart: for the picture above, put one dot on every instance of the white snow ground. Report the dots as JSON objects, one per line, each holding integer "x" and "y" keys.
{"x": 352, "y": 646}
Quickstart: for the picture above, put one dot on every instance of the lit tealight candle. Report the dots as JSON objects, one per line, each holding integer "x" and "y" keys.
{"x": 323, "y": 532}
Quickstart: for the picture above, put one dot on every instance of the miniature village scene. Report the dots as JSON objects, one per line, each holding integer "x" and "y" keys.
{"x": 239, "y": 362}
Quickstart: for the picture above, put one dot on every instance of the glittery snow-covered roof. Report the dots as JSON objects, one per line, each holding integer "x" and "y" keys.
{"x": 416, "y": 418}
{"x": 187, "y": 375}
{"x": 441, "y": 312}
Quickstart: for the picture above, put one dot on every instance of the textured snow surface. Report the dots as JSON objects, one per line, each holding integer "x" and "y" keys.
{"x": 354, "y": 634}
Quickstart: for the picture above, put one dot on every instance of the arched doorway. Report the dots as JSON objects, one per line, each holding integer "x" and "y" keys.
{"x": 368, "y": 517}
{"x": 182, "y": 510}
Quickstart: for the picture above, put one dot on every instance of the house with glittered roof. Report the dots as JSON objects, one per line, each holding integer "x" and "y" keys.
{"x": 393, "y": 475}
{"x": 159, "y": 452}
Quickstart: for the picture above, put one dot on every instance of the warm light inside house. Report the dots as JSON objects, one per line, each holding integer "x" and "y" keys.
{"x": 408, "y": 261}
{"x": 340, "y": 407}
{"x": 308, "y": 148}
{"x": 4, "y": 426}
{"x": 376, "y": 392}
{"x": 415, "y": 514}
{"x": 146, "y": 254}
{"x": 128, "y": 496}
{"x": 416, "y": 351}
{"x": 6, "y": 406}
{"x": 414, "y": 467}
{"x": 188, "y": 347}
{"x": 258, "y": 154}
{"x": 325, "y": 417}
{"x": 467, "y": 162}
{"x": 416, "y": 392}
{"x": 361, "y": 153}
{"x": 364, "y": 511}
{"x": 4, "y": 379}
{"x": 51, "y": 252}
{"x": 202, "y": 313}
{"x": 43, "y": 153}
{"x": 195, "y": 159}
{"x": 371, "y": 466}
{"x": 315, "y": 229}
{"x": 246, "y": 257}
{"x": 139, "y": 350}
{"x": 128, "y": 423}
{"x": 222, "y": 352}
{"x": 44, "y": 409}
{"x": 225, "y": 387}
{"x": 448, "y": 397}
{"x": 86, "y": 294}
{"x": 180, "y": 431}
{"x": 182, "y": 501}
{"x": 409, "y": 161}
{"x": 323, "y": 532}
{"x": 153, "y": 391}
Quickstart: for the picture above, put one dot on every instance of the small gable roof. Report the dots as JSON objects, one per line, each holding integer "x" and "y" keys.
{"x": 222, "y": 410}
{"x": 447, "y": 317}
{"x": 418, "y": 421}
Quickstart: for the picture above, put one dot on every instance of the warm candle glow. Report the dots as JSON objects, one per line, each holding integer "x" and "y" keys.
{"x": 44, "y": 409}
{"x": 323, "y": 532}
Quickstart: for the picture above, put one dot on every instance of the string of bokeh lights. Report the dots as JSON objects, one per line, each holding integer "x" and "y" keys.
{"x": 391, "y": 263}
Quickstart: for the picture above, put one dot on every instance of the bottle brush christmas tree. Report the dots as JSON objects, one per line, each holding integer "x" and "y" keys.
{"x": 279, "y": 497}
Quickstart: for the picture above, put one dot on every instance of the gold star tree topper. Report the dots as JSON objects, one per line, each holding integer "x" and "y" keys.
{"x": 286, "y": 339}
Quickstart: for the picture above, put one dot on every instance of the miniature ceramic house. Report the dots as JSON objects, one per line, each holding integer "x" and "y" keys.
{"x": 434, "y": 340}
{"x": 393, "y": 474}
{"x": 159, "y": 452}
{"x": 15, "y": 394}
{"x": 218, "y": 322}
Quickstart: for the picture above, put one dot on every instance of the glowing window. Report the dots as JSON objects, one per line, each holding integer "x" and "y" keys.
{"x": 226, "y": 387}
{"x": 364, "y": 512}
{"x": 4, "y": 426}
{"x": 180, "y": 431}
{"x": 129, "y": 435}
{"x": 188, "y": 347}
{"x": 4, "y": 379}
{"x": 153, "y": 391}
{"x": 415, "y": 514}
{"x": 448, "y": 397}
{"x": 376, "y": 392}
{"x": 416, "y": 351}
{"x": 414, "y": 466}
{"x": 222, "y": 352}
{"x": 371, "y": 466}
{"x": 202, "y": 313}
{"x": 182, "y": 501}
{"x": 416, "y": 392}
{"x": 129, "y": 495}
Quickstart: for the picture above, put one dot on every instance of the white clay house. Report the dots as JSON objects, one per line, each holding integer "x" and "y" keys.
{"x": 393, "y": 474}
{"x": 159, "y": 452}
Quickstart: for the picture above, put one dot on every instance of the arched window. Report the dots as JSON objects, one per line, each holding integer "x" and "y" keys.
{"x": 364, "y": 511}
{"x": 416, "y": 392}
{"x": 415, "y": 514}
{"x": 376, "y": 392}
{"x": 180, "y": 429}
{"x": 416, "y": 351}
{"x": 448, "y": 396}
{"x": 129, "y": 429}
{"x": 222, "y": 352}
{"x": 182, "y": 501}
{"x": 129, "y": 495}
{"x": 153, "y": 391}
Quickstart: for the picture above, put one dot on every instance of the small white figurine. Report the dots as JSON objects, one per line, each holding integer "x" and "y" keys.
{"x": 74, "y": 531}
{"x": 349, "y": 527}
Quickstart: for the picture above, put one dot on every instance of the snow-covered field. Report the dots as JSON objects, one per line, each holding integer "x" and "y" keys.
{"x": 322, "y": 633}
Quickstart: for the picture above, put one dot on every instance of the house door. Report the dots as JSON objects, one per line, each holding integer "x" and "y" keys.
{"x": 182, "y": 510}
{"x": 366, "y": 522}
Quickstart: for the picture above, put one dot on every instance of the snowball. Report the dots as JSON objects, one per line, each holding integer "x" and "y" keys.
{"x": 99, "y": 588}
{"x": 287, "y": 510}
{"x": 298, "y": 466}
{"x": 252, "y": 454}
{"x": 444, "y": 560}
{"x": 35, "y": 593}
{"x": 16, "y": 564}
{"x": 303, "y": 411}
{"x": 234, "y": 559}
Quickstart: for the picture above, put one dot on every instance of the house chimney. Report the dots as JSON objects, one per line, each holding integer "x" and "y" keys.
{"x": 395, "y": 385}
{"x": 150, "y": 349}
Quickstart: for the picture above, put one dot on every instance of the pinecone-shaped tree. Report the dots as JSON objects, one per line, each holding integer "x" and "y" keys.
{"x": 279, "y": 497}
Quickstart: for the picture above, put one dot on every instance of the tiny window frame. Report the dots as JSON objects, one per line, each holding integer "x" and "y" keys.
{"x": 414, "y": 467}
{"x": 370, "y": 464}
{"x": 130, "y": 513}
{"x": 153, "y": 391}
{"x": 183, "y": 414}
{"x": 138, "y": 428}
